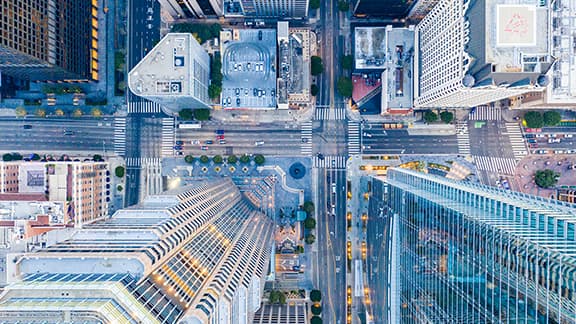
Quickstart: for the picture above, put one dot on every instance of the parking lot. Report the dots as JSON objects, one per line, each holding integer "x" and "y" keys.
{"x": 249, "y": 71}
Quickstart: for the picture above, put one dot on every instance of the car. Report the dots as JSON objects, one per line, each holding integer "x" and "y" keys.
{"x": 222, "y": 141}
{"x": 149, "y": 26}
{"x": 532, "y": 141}
{"x": 239, "y": 66}
{"x": 219, "y": 137}
{"x": 542, "y": 151}
{"x": 68, "y": 132}
{"x": 558, "y": 152}
{"x": 248, "y": 66}
{"x": 273, "y": 93}
{"x": 305, "y": 140}
{"x": 367, "y": 135}
{"x": 150, "y": 11}
{"x": 554, "y": 140}
{"x": 259, "y": 143}
{"x": 228, "y": 101}
{"x": 179, "y": 153}
{"x": 237, "y": 91}
{"x": 541, "y": 135}
{"x": 219, "y": 132}
{"x": 255, "y": 92}
{"x": 246, "y": 92}
{"x": 149, "y": 18}
{"x": 529, "y": 135}
{"x": 333, "y": 165}
{"x": 208, "y": 142}
{"x": 259, "y": 35}
{"x": 195, "y": 142}
{"x": 263, "y": 92}
{"x": 179, "y": 142}
{"x": 320, "y": 156}
{"x": 27, "y": 126}
{"x": 178, "y": 148}
{"x": 568, "y": 135}
{"x": 533, "y": 145}
{"x": 237, "y": 101}
{"x": 204, "y": 148}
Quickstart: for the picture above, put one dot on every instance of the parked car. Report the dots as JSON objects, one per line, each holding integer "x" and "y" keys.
{"x": 532, "y": 141}
{"x": 208, "y": 142}
{"x": 204, "y": 148}
{"x": 367, "y": 135}
{"x": 27, "y": 126}
{"x": 568, "y": 135}
{"x": 222, "y": 142}
{"x": 219, "y": 137}
{"x": 196, "y": 142}
{"x": 178, "y": 148}
{"x": 541, "y": 135}
{"x": 259, "y": 143}
{"x": 219, "y": 132}
{"x": 554, "y": 140}
{"x": 179, "y": 142}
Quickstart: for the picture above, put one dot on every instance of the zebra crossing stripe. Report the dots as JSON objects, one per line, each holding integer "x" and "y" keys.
{"x": 353, "y": 138}
{"x": 330, "y": 162}
{"x": 327, "y": 113}
{"x": 120, "y": 136}
{"x": 496, "y": 164}
{"x": 306, "y": 138}
{"x": 486, "y": 113}
{"x": 463, "y": 138}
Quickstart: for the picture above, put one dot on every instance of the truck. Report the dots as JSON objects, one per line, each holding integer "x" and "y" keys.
{"x": 190, "y": 126}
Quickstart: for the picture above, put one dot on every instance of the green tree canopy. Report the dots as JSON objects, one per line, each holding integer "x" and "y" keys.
{"x": 214, "y": 91}
{"x": 309, "y": 222}
{"x": 533, "y": 119}
{"x": 17, "y": 157}
{"x": 282, "y": 297}
{"x": 345, "y": 87}
{"x": 315, "y": 295}
{"x": 343, "y": 5}
{"x": 551, "y": 118}
{"x": 259, "y": 159}
{"x": 40, "y": 112}
{"x": 314, "y": 90}
{"x": 97, "y": 157}
{"x": 546, "y": 178}
{"x": 217, "y": 159}
{"x": 274, "y": 297}
{"x": 186, "y": 114}
{"x": 202, "y": 114}
{"x": 315, "y": 320}
{"x": 119, "y": 171}
{"x": 347, "y": 62}
{"x": 245, "y": 158}
{"x": 314, "y": 4}
{"x": 446, "y": 116}
{"x": 232, "y": 159}
{"x": 7, "y": 157}
{"x": 430, "y": 116}
{"x": 316, "y": 65}
{"x": 202, "y": 32}
{"x": 308, "y": 208}
{"x": 189, "y": 158}
{"x": 316, "y": 309}
{"x": 35, "y": 157}
{"x": 96, "y": 112}
{"x": 310, "y": 238}
{"x": 204, "y": 159}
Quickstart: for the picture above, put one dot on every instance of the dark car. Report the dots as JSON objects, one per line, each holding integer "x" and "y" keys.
{"x": 259, "y": 35}
{"x": 208, "y": 142}
{"x": 219, "y": 132}
{"x": 237, "y": 101}
{"x": 27, "y": 126}
{"x": 179, "y": 142}
{"x": 178, "y": 148}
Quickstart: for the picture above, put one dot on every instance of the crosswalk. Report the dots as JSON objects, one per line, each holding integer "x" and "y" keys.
{"x": 132, "y": 162}
{"x": 143, "y": 107}
{"x": 327, "y": 113}
{"x": 486, "y": 112}
{"x": 463, "y": 138}
{"x": 120, "y": 136}
{"x": 330, "y": 162}
{"x": 516, "y": 140}
{"x": 498, "y": 165}
{"x": 167, "y": 136}
{"x": 353, "y": 138}
{"x": 306, "y": 138}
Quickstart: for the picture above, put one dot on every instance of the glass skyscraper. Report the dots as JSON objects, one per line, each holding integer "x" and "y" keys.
{"x": 469, "y": 253}
{"x": 193, "y": 255}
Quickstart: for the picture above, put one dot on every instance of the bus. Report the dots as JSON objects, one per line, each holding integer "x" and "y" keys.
{"x": 190, "y": 126}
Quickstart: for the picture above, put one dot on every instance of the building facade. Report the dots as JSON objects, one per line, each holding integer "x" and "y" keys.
{"x": 175, "y": 74}
{"x": 179, "y": 9}
{"x": 392, "y": 9}
{"x": 80, "y": 186}
{"x": 470, "y": 53}
{"x": 49, "y": 40}
{"x": 196, "y": 254}
{"x": 275, "y": 8}
{"x": 470, "y": 253}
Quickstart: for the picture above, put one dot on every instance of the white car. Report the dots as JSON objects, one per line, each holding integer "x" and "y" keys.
{"x": 195, "y": 142}
{"x": 568, "y": 135}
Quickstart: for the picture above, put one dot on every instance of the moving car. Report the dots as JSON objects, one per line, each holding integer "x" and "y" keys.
{"x": 208, "y": 142}
{"x": 179, "y": 142}
{"x": 27, "y": 126}
{"x": 204, "y": 148}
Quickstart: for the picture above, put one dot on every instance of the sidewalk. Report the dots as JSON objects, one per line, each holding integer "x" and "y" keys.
{"x": 263, "y": 115}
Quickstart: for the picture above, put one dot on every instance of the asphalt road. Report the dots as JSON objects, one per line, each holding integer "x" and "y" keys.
{"x": 87, "y": 134}
{"x": 377, "y": 140}
{"x": 277, "y": 140}
{"x": 489, "y": 140}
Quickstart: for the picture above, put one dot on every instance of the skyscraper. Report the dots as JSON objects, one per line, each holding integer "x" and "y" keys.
{"x": 195, "y": 254}
{"x": 49, "y": 40}
{"x": 175, "y": 73}
{"x": 393, "y": 9}
{"x": 470, "y": 53}
{"x": 192, "y": 8}
{"x": 468, "y": 253}
{"x": 275, "y": 8}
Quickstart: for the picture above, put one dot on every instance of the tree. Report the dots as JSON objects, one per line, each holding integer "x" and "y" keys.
{"x": 533, "y": 119}
{"x": 546, "y": 178}
{"x": 204, "y": 159}
{"x": 446, "y": 117}
{"x": 35, "y": 157}
{"x": 299, "y": 249}
{"x": 21, "y": 112}
{"x": 202, "y": 114}
{"x": 186, "y": 114}
{"x": 315, "y": 320}
{"x": 40, "y": 112}
{"x": 119, "y": 188}
{"x": 59, "y": 112}
{"x": 343, "y": 5}
{"x": 119, "y": 171}
{"x": 345, "y": 87}
{"x": 7, "y": 157}
{"x": 17, "y": 157}
{"x": 314, "y": 4}
{"x": 77, "y": 112}
{"x": 308, "y": 208}
{"x": 232, "y": 159}
{"x": 96, "y": 112}
{"x": 347, "y": 62}
{"x": 316, "y": 309}
{"x": 202, "y": 32}
{"x": 189, "y": 158}
{"x": 259, "y": 159}
{"x": 316, "y": 66}
{"x": 282, "y": 297}
{"x": 274, "y": 297}
{"x": 309, "y": 222}
{"x": 310, "y": 238}
{"x": 97, "y": 158}
{"x": 430, "y": 116}
{"x": 217, "y": 159}
{"x": 245, "y": 158}
{"x": 551, "y": 118}
{"x": 214, "y": 91}
{"x": 316, "y": 295}
{"x": 314, "y": 90}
